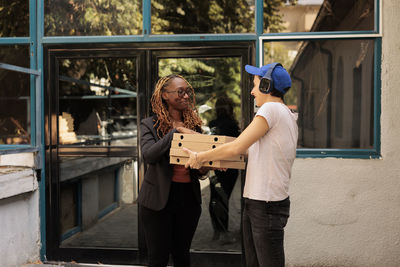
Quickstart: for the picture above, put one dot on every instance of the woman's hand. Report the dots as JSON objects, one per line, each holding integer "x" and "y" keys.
{"x": 193, "y": 161}
{"x": 185, "y": 130}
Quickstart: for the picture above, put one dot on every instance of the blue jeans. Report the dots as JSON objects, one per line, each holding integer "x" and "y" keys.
{"x": 263, "y": 233}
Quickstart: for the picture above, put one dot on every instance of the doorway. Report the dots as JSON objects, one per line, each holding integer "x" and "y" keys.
{"x": 95, "y": 98}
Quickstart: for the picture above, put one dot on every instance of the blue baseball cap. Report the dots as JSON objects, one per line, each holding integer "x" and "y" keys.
{"x": 280, "y": 77}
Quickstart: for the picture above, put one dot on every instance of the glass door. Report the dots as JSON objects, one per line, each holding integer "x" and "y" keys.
{"x": 216, "y": 74}
{"x": 96, "y": 97}
{"x": 92, "y": 157}
{"x": 96, "y": 113}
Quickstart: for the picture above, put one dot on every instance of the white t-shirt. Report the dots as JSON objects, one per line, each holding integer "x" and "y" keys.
{"x": 271, "y": 157}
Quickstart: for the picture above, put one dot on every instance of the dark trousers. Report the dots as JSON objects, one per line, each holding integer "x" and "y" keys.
{"x": 171, "y": 230}
{"x": 263, "y": 224}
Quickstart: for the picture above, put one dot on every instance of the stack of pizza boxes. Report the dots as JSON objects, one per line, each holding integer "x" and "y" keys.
{"x": 201, "y": 142}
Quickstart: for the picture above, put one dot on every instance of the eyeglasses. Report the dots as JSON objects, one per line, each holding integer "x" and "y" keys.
{"x": 181, "y": 92}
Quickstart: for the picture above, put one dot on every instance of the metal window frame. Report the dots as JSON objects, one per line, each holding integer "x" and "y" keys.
{"x": 34, "y": 112}
{"x": 35, "y": 84}
{"x": 335, "y": 152}
{"x": 376, "y": 35}
{"x": 34, "y": 40}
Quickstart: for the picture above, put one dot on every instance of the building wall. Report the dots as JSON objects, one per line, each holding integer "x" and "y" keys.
{"x": 20, "y": 241}
{"x": 299, "y": 18}
{"x": 346, "y": 212}
{"x": 19, "y": 212}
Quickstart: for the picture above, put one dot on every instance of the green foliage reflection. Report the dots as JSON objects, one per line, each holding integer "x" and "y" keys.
{"x": 86, "y": 17}
{"x": 14, "y": 18}
{"x": 210, "y": 78}
{"x": 199, "y": 16}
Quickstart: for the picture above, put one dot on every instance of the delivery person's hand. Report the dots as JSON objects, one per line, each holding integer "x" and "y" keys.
{"x": 193, "y": 161}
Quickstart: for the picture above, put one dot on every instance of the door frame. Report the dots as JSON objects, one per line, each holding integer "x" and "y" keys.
{"x": 147, "y": 57}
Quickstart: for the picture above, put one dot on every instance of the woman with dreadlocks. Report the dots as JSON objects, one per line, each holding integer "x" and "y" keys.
{"x": 169, "y": 198}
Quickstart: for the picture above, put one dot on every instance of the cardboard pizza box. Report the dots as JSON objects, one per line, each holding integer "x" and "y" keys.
{"x": 180, "y": 153}
{"x": 217, "y": 164}
{"x": 203, "y": 138}
{"x": 195, "y": 146}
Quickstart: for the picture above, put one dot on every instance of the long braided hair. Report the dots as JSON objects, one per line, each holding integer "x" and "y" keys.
{"x": 191, "y": 120}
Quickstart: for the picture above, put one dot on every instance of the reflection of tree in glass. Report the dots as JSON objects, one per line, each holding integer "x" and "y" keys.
{"x": 199, "y": 16}
{"x": 14, "y": 18}
{"x": 118, "y": 72}
{"x": 124, "y": 17}
{"x": 210, "y": 78}
{"x": 272, "y": 18}
{"x": 216, "y": 16}
{"x": 14, "y": 96}
{"x": 112, "y": 72}
{"x": 86, "y": 17}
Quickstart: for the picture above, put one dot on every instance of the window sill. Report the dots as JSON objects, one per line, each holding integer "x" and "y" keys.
{"x": 337, "y": 153}
{"x": 16, "y": 180}
{"x": 17, "y": 175}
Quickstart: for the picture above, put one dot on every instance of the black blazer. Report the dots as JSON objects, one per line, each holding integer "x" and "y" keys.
{"x": 155, "y": 188}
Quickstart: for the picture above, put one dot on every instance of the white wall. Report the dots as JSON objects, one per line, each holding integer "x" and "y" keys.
{"x": 346, "y": 212}
{"x": 19, "y": 211}
{"x": 19, "y": 224}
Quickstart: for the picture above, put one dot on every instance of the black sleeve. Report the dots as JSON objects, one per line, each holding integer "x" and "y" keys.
{"x": 153, "y": 150}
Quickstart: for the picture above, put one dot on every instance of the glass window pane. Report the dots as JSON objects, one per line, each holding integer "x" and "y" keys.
{"x": 14, "y": 18}
{"x": 199, "y": 16}
{"x": 97, "y": 202}
{"x": 97, "y": 99}
{"x": 216, "y": 82}
{"x": 15, "y": 97}
{"x": 318, "y": 15}
{"x": 69, "y": 208}
{"x": 210, "y": 79}
{"x": 87, "y": 18}
{"x": 332, "y": 89}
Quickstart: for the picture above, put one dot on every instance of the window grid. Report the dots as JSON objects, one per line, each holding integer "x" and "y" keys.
{"x": 37, "y": 38}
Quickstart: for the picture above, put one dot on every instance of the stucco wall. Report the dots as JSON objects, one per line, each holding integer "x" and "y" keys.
{"x": 19, "y": 224}
{"x": 19, "y": 210}
{"x": 346, "y": 212}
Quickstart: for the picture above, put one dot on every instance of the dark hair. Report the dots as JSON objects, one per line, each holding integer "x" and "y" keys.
{"x": 224, "y": 107}
{"x": 164, "y": 124}
{"x": 276, "y": 93}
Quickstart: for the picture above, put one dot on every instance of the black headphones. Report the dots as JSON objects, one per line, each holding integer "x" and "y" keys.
{"x": 266, "y": 83}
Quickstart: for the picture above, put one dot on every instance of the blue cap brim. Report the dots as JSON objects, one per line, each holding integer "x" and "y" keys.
{"x": 253, "y": 70}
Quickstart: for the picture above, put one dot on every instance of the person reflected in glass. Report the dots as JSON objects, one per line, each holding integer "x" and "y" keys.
{"x": 169, "y": 198}
{"x": 222, "y": 184}
{"x": 270, "y": 141}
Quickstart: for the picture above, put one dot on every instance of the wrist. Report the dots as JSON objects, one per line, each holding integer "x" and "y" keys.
{"x": 199, "y": 157}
